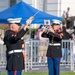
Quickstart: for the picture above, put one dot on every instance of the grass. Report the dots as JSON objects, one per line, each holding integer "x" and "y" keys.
{"x": 45, "y": 73}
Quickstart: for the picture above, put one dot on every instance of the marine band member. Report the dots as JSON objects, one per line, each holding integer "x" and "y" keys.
{"x": 13, "y": 42}
{"x": 54, "y": 49}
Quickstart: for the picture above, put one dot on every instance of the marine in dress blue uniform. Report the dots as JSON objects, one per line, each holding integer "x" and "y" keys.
{"x": 54, "y": 49}
{"x": 13, "y": 42}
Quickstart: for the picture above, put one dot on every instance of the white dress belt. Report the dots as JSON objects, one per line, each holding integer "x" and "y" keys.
{"x": 15, "y": 51}
{"x": 55, "y": 44}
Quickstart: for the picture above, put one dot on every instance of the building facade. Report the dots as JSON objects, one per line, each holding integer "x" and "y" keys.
{"x": 68, "y": 3}
{"x": 54, "y": 7}
{"x": 4, "y": 4}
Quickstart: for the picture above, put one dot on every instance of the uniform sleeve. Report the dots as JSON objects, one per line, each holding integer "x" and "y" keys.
{"x": 44, "y": 35}
{"x": 12, "y": 38}
{"x": 21, "y": 33}
{"x": 50, "y": 34}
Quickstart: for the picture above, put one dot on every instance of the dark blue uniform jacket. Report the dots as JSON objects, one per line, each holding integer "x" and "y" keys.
{"x": 53, "y": 51}
{"x": 15, "y": 61}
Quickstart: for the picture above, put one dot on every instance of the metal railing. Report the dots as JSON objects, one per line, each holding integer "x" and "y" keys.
{"x": 2, "y": 59}
{"x": 36, "y": 54}
{"x": 33, "y": 59}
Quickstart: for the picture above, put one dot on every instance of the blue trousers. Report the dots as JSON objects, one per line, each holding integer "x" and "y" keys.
{"x": 53, "y": 66}
{"x": 65, "y": 53}
{"x": 19, "y": 72}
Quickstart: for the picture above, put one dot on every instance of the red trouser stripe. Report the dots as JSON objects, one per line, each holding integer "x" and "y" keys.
{"x": 15, "y": 72}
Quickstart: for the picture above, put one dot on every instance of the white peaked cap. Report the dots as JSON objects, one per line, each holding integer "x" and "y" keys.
{"x": 56, "y": 21}
{"x": 14, "y": 20}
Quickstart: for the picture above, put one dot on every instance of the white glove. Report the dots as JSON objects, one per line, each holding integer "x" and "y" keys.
{"x": 28, "y": 22}
{"x": 1, "y": 42}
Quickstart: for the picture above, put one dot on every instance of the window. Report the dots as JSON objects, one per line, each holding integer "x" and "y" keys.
{"x": 12, "y": 2}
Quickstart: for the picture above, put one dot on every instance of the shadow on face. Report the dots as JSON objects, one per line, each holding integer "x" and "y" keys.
{"x": 15, "y": 27}
{"x": 56, "y": 27}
